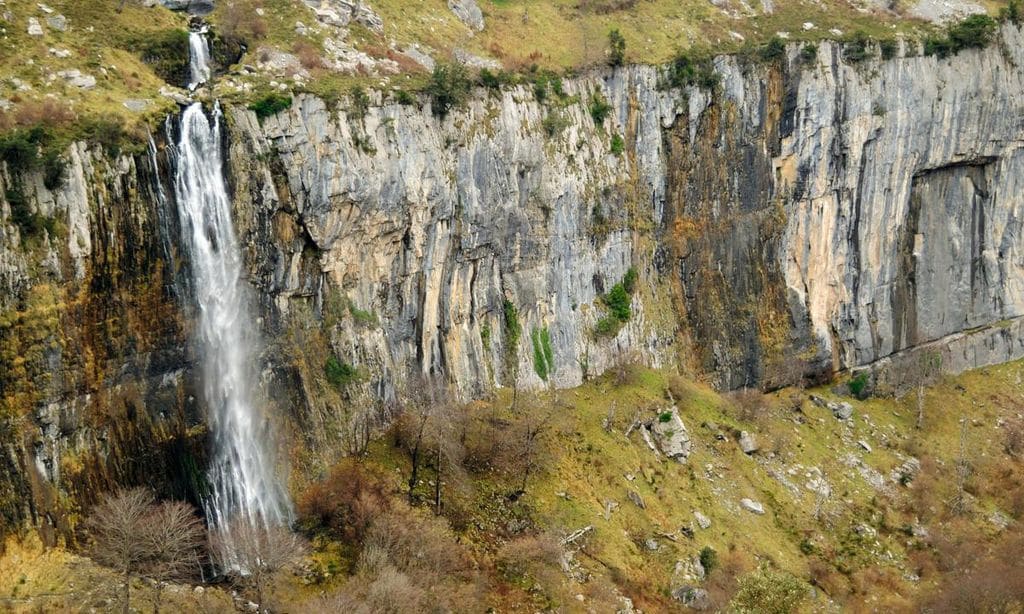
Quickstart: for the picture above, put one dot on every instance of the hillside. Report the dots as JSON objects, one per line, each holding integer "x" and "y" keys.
{"x": 866, "y": 514}
{"x": 126, "y": 59}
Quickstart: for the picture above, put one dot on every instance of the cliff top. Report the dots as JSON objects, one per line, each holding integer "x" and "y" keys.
{"x": 125, "y": 60}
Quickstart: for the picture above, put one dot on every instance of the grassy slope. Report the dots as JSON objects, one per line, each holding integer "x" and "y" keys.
{"x": 586, "y": 466}
{"x": 591, "y": 466}
{"x": 99, "y": 39}
{"x": 556, "y": 34}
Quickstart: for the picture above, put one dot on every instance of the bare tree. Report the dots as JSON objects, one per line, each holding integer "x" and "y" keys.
{"x": 174, "y": 536}
{"x": 425, "y": 400}
{"x": 923, "y": 372}
{"x": 137, "y": 536}
{"x": 528, "y": 437}
{"x": 446, "y": 437}
{"x": 253, "y": 554}
{"x": 958, "y": 504}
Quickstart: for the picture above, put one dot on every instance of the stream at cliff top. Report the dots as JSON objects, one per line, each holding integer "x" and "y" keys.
{"x": 243, "y": 484}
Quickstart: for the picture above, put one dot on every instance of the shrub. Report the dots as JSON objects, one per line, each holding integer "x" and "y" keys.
{"x": 618, "y": 302}
{"x": 617, "y": 48}
{"x": 54, "y": 170}
{"x": 859, "y": 385}
{"x": 773, "y": 50}
{"x": 345, "y": 504}
{"x": 975, "y": 31}
{"x": 107, "y": 131}
{"x": 19, "y": 151}
{"x": 555, "y": 122}
{"x": 708, "y": 559}
{"x": 599, "y": 108}
{"x": 618, "y": 145}
{"x": 543, "y": 355}
{"x": 769, "y": 592}
{"x": 271, "y": 104}
{"x": 360, "y": 102}
{"x": 1011, "y": 12}
{"x": 688, "y": 70}
{"x": 858, "y": 48}
{"x": 629, "y": 280}
{"x": 607, "y": 326}
{"x": 340, "y": 374}
{"x": 495, "y": 80}
{"x": 809, "y": 53}
{"x": 448, "y": 88}
{"x": 888, "y": 47}
{"x": 512, "y": 328}
{"x": 403, "y": 97}
{"x": 29, "y": 224}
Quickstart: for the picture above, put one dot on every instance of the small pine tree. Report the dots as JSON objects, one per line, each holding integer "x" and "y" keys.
{"x": 617, "y": 44}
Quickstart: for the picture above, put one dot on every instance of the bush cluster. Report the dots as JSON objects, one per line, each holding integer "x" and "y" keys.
{"x": 271, "y": 104}
{"x": 974, "y": 32}
{"x": 686, "y": 69}
{"x": 448, "y": 88}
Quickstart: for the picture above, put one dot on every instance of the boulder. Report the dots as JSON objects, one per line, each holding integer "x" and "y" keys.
{"x": 671, "y": 436}
{"x": 702, "y": 521}
{"x": 636, "y": 499}
{"x": 474, "y": 61}
{"x": 34, "y": 27}
{"x": 136, "y": 105}
{"x": 468, "y": 13}
{"x": 747, "y": 443}
{"x": 841, "y": 410}
{"x": 693, "y": 597}
{"x": 752, "y": 506}
{"x": 75, "y": 78}
{"x": 58, "y": 23}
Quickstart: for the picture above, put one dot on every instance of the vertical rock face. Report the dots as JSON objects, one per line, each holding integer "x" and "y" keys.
{"x": 802, "y": 218}
{"x": 94, "y": 367}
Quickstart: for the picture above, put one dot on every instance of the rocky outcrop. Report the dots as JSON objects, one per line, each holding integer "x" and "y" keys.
{"x": 803, "y": 217}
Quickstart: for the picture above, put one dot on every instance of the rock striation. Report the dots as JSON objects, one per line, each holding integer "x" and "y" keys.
{"x": 801, "y": 218}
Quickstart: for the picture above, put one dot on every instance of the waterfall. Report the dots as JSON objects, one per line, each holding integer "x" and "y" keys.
{"x": 243, "y": 484}
{"x": 199, "y": 59}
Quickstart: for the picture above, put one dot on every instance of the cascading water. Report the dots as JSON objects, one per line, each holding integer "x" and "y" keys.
{"x": 244, "y": 486}
{"x": 199, "y": 59}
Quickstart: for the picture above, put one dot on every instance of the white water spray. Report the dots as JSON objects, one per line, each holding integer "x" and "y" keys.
{"x": 199, "y": 59}
{"x": 243, "y": 483}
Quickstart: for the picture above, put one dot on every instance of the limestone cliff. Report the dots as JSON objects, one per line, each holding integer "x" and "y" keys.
{"x": 800, "y": 218}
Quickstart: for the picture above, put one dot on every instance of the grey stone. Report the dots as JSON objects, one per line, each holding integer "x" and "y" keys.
{"x": 671, "y": 435}
{"x": 136, "y": 105}
{"x": 693, "y": 597}
{"x": 842, "y": 411}
{"x": 57, "y": 22}
{"x": 474, "y": 61}
{"x": 34, "y": 27}
{"x": 752, "y": 506}
{"x": 747, "y": 443}
{"x": 468, "y": 13}
{"x": 702, "y": 521}
{"x": 636, "y": 499}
